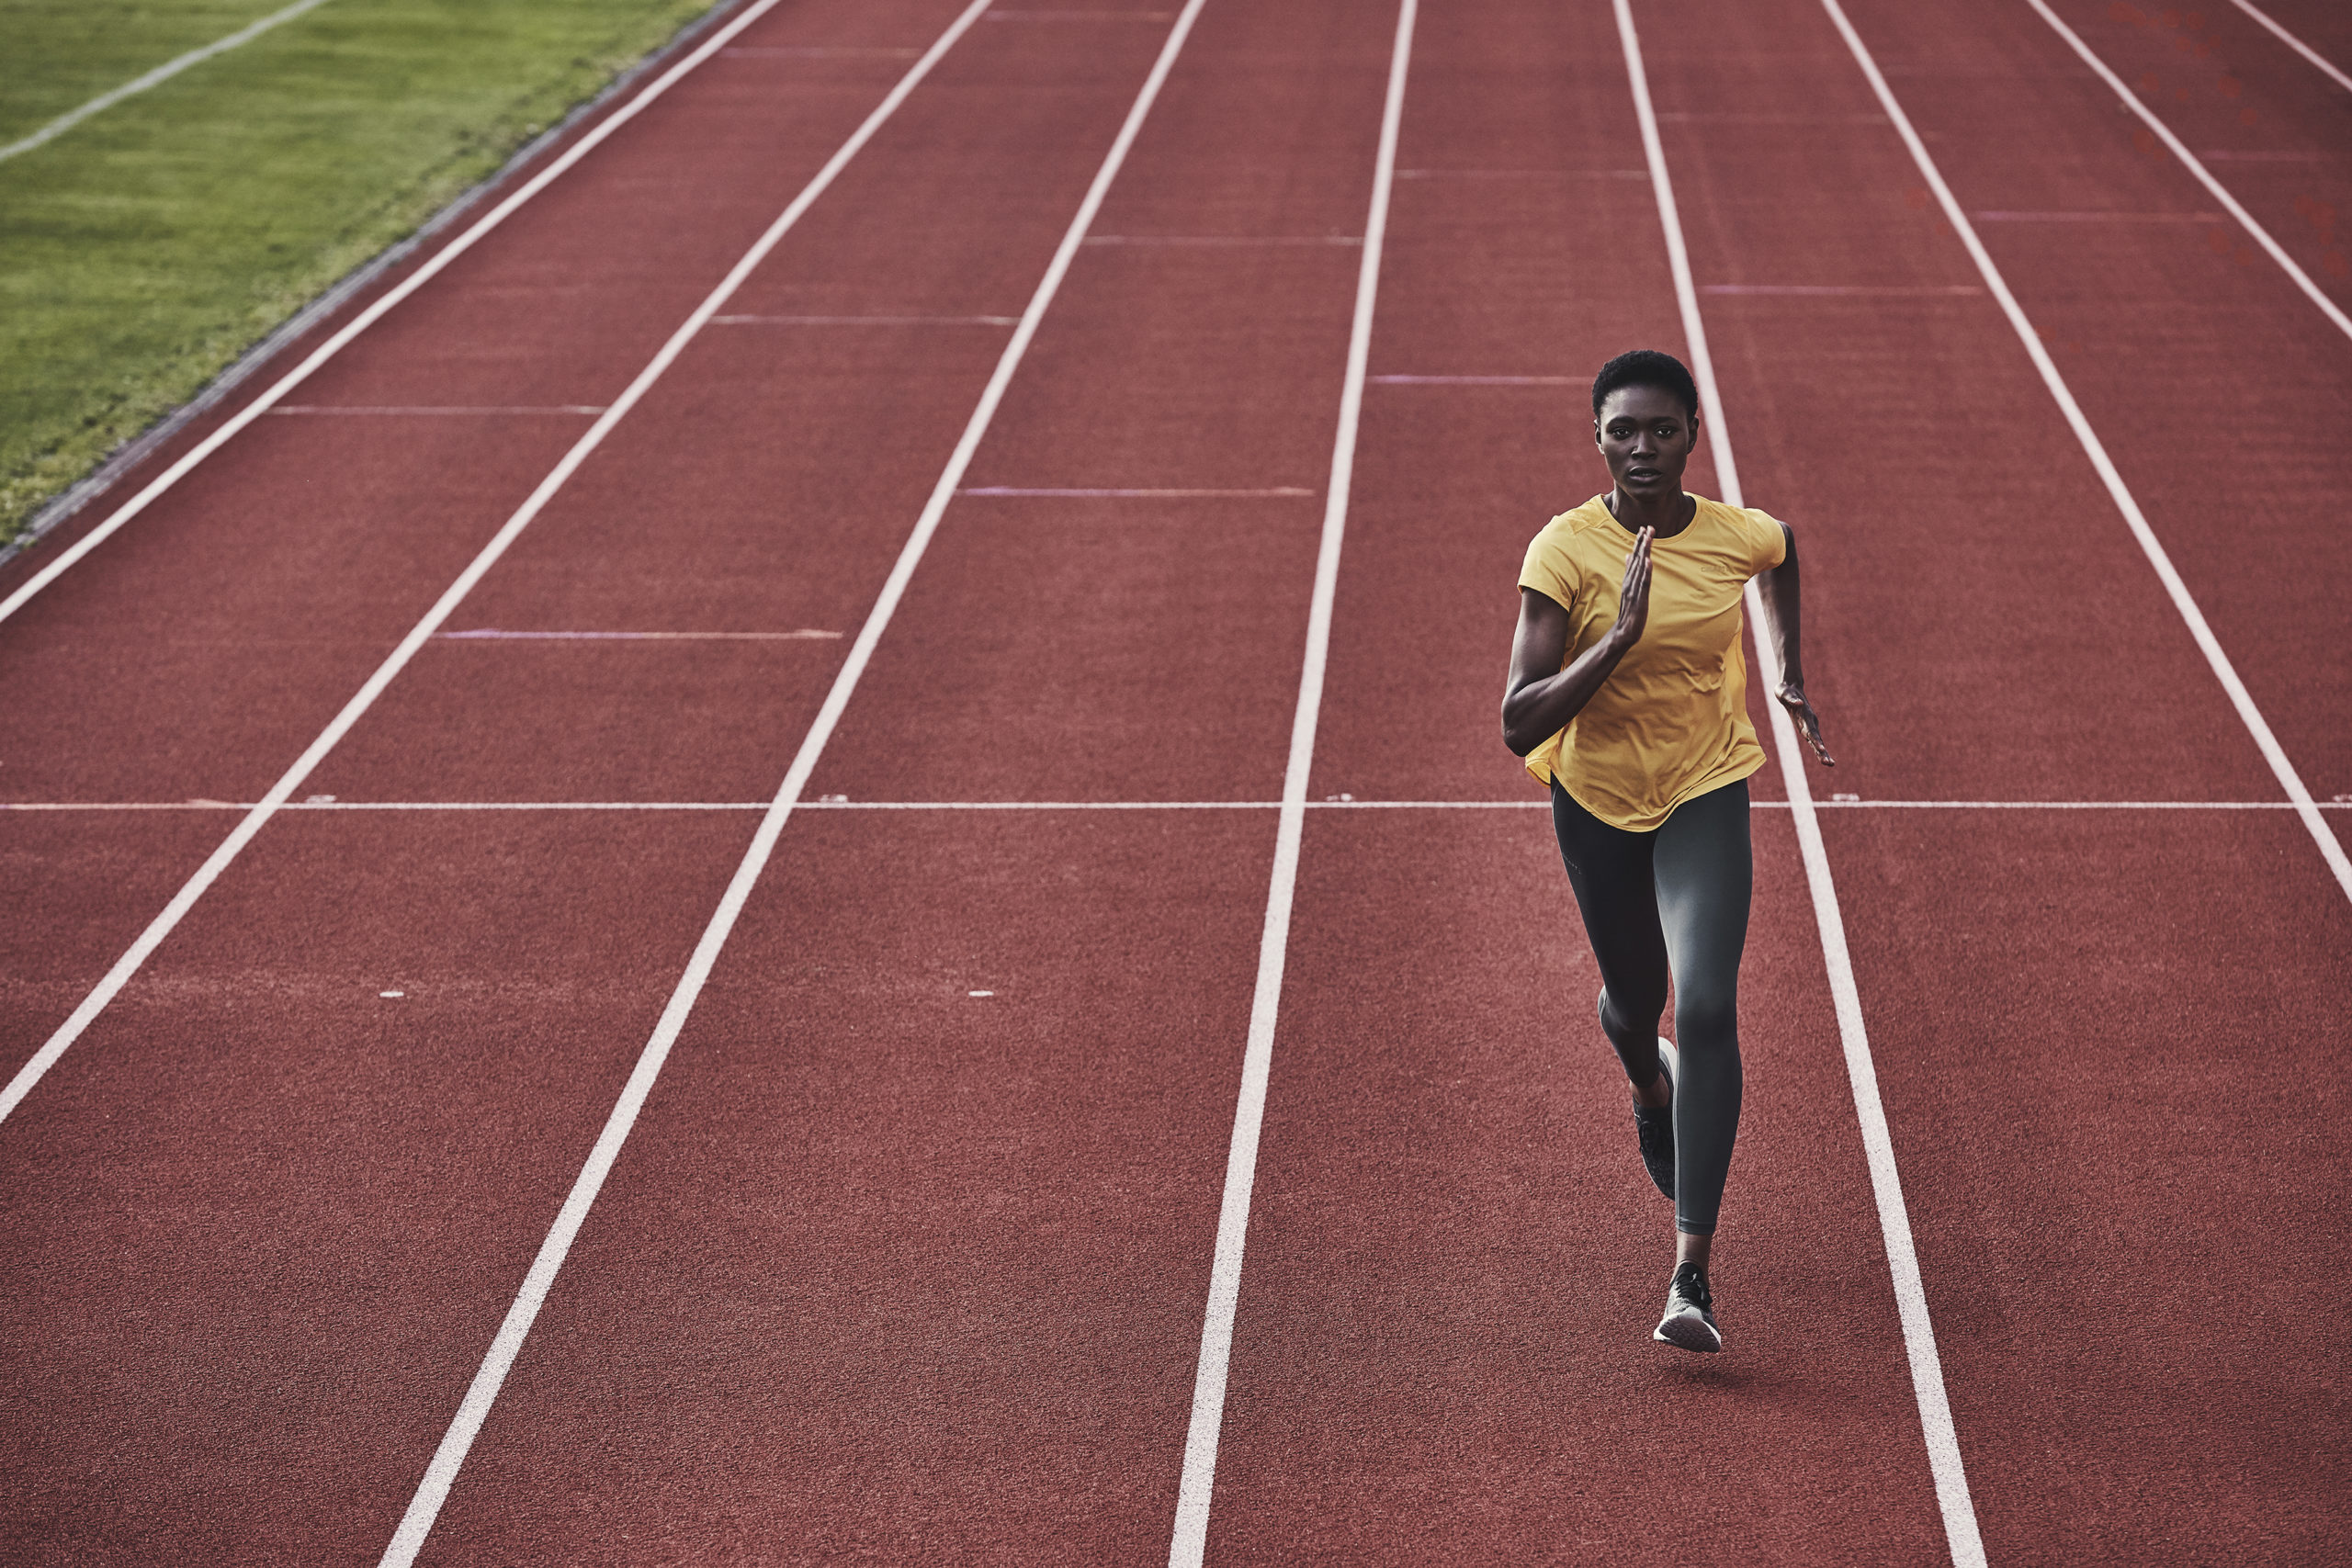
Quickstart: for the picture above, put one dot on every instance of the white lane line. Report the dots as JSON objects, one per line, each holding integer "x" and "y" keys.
{"x": 162, "y": 73}
{"x": 1137, "y": 494}
{"x": 2223, "y": 670}
{"x": 416, "y": 1524}
{"x": 838, "y": 801}
{"x": 2298, "y": 45}
{"x": 1941, "y": 1439}
{"x": 2003, "y": 215}
{"x": 842, "y": 803}
{"x": 1475, "y": 382}
{"x": 1522, "y": 174}
{"x": 234, "y": 844}
{"x": 2204, "y": 176}
{"x": 334, "y": 409}
{"x": 1226, "y": 240}
{"x": 1864, "y": 290}
{"x": 818, "y": 52}
{"x": 1189, "y": 1539}
{"x": 830, "y": 802}
{"x": 431, "y": 268}
{"x": 488, "y": 634}
{"x": 864, "y": 321}
{"x": 1734, "y": 118}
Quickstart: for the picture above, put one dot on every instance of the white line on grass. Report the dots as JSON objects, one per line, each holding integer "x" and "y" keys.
{"x": 2302, "y": 279}
{"x": 2298, "y": 45}
{"x": 374, "y": 312}
{"x": 2223, "y": 670}
{"x": 1942, "y": 1440}
{"x": 231, "y": 847}
{"x": 416, "y": 1524}
{"x": 156, "y": 78}
{"x": 1194, "y": 1492}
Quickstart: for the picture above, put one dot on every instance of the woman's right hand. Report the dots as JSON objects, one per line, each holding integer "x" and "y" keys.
{"x": 1634, "y": 598}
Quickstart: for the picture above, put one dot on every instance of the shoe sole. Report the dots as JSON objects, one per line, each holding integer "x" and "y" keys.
{"x": 1688, "y": 1331}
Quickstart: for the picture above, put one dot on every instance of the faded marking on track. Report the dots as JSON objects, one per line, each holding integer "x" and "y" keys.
{"x": 1522, "y": 174}
{"x": 490, "y": 634}
{"x": 1138, "y": 494}
{"x": 285, "y": 409}
{"x": 1999, "y": 215}
{"x": 1861, "y": 291}
{"x": 1222, "y": 240}
{"x": 818, "y": 52}
{"x": 1334, "y": 803}
{"x": 1476, "y": 381}
{"x": 865, "y": 320}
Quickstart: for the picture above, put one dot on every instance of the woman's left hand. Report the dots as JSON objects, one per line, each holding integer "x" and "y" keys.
{"x": 1792, "y": 698}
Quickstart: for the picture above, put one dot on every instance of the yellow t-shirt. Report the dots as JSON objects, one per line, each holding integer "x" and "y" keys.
{"x": 1671, "y": 720}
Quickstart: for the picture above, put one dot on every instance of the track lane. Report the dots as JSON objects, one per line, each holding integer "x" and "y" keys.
{"x": 2121, "y": 1309}
{"x": 169, "y": 1007}
{"x": 2321, "y": 30}
{"x": 166, "y": 667}
{"x": 889, "y": 1270}
{"x": 258, "y": 1236}
{"x": 1442, "y": 1353}
{"x": 1111, "y": 1079}
{"x": 2218, "y": 391}
{"x": 2157, "y": 126}
{"x": 2067, "y": 1053}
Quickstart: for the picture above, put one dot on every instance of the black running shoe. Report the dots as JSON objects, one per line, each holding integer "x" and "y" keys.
{"x": 1654, "y": 1129}
{"x": 1689, "y": 1320}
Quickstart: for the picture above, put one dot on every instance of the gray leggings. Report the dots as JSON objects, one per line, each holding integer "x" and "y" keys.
{"x": 1672, "y": 903}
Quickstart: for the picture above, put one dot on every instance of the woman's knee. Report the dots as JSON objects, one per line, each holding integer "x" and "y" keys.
{"x": 1705, "y": 1019}
{"x": 1631, "y": 1007}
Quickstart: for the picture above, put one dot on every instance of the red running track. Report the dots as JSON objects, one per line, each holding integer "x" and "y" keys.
{"x": 907, "y": 1256}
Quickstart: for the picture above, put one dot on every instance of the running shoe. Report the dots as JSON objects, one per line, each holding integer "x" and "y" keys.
{"x": 1689, "y": 1320}
{"x": 1654, "y": 1128}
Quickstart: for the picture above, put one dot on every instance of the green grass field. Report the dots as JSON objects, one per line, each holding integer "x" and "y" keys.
{"x": 145, "y": 248}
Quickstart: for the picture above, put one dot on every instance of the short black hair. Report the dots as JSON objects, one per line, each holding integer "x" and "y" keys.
{"x": 1646, "y": 367}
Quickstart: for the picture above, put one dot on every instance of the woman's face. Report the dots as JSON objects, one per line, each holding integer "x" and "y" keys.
{"x": 1645, "y": 435}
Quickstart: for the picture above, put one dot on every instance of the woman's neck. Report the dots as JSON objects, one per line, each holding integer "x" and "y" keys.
{"x": 1664, "y": 517}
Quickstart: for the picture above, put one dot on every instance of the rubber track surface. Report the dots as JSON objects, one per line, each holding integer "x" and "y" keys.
{"x": 907, "y": 1257}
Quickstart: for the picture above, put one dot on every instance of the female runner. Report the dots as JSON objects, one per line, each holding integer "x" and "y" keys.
{"x": 1628, "y": 698}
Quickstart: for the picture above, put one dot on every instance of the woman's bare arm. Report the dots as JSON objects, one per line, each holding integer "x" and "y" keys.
{"x": 1778, "y": 589}
{"x": 1541, "y": 697}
